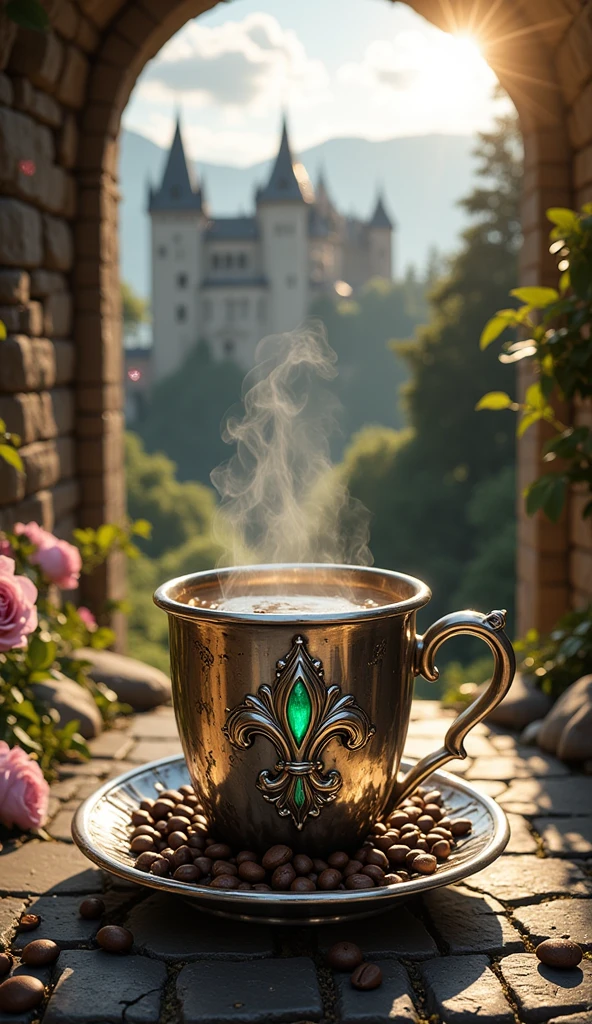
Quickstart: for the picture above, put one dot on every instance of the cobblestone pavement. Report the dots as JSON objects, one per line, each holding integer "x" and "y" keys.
{"x": 461, "y": 954}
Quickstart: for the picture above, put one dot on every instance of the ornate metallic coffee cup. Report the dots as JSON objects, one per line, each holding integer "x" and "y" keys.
{"x": 293, "y": 725}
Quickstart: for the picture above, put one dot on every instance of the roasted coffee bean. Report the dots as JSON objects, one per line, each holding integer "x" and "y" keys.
{"x": 182, "y": 855}
{"x": 441, "y": 849}
{"x": 434, "y": 811}
{"x": 5, "y": 963}
{"x": 160, "y": 867}
{"x": 245, "y": 886}
{"x": 223, "y": 867}
{"x": 20, "y": 994}
{"x": 162, "y": 809}
{"x": 146, "y": 805}
{"x": 140, "y": 817}
{"x": 199, "y": 819}
{"x": 261, "y": 887}
{"x": 396, "y": 854}
{"x": 414, "y": 813}
{"x": 353, "y": 868}
{"x": 319, "y": 865}
{"x": 146, "y": 860}
{"x": 425, "y": 823}
{"x": 383, "y": 842}
{"x": 313, "y": 876}
{"x": 146, "y": 830}
{"x": 411, "y": 856}
{"x": 204, "y": 864}
{"x": 460, "y": 827}
{"x": 142, "y": 844}
{"x": 433, "y": 797}
{"x": 161, "y": 827}
{"x": 251, "y": 872}
{"x": 218, "y": 851}
{"x": 444, "y": 833}
{"x": 416, "y": 800}
{"x": 366, "y": 977}
{"x": 403, "y": 874}
{"x": 392, "y": 879}
{"x": 172, "y": 794}
{"x": 115, "y": 939}
{"x": 302, "y": 884}
{"x": 29, "y": 922}
{"x": 410, "y": 829}
{"x": 40, "y": 952}
{"x": 184, "y": 811}
{"x": 361, "y": 854}
{"x": 168, "y": 853}
{"x": 196, "y": 842}
{"x": 177, "y": 839}
{"x": 302, "y": 864}
{"x": 344, "y": 956}
{"x": 561, "y": 953}
{"x": 359, "y": 882}
{"x": 373, "y": 872}
{"x": 276, "y": 856}
{"x": 187, "y": 790}
{"x": 338, "y": 860}
{"x": 92, "y": 908}
{"x": 177, "y": 824}
{"x": 379, "y": 829}
{"x": 224, "y": 882}
{"x": 398, "y": 819}
{"x": 329, "y": 879}
{"x": 422, "y": 845}
{"x": 186, "y": 873}
{"x": 425, "y": 863}
{"x": 283, "y": 877}
{"x": 377, "y": 857}
{"x": 444, "y": 822}
{"x": 247, "y": 855}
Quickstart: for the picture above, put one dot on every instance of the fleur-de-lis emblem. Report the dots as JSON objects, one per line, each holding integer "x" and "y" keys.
{"x": 300, "y": 715}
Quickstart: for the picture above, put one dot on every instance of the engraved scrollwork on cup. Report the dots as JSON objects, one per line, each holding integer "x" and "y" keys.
{"x": 300, "y": 715}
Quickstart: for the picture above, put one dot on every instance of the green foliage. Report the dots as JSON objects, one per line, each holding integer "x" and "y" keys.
{"x": 420, "y": 485}
{"x": 134, "y": 309}
{"x": 95, "y": 546}
{"x": 461, "y": 681}
{"x": 28, "y": 14}
{"x": 559, "y": 323}
{"x": 564, "y": 656}
{"x": 9, "y": 443}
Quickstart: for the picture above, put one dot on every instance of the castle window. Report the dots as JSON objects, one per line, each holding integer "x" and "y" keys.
{"x": 181, "y": 280}
{"x": 291, "y": 281}
{"x": 229, "y": 261}
{"x": 181, "y": 314}
{"x": 162, "y": 251}
{"x": 241, "y": 260}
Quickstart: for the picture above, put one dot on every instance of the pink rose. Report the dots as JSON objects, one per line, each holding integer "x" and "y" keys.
{"x": 87, "y": 618}
{"x": 24, "y": 793}
{"x": 18, "y": 613}
{"x": 33, "y": 532}
{"x": 59, "y": 561}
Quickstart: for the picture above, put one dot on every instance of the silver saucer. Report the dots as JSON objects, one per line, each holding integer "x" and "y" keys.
{"x": 101, "y": 830}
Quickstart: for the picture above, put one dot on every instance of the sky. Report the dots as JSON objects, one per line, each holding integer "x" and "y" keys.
{"x": 380, "y": 71}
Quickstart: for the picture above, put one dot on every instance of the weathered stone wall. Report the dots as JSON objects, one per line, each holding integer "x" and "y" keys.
{"x": 61, "y": 99}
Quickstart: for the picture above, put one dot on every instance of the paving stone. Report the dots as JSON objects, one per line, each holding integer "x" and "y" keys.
{"x": 572, "y": 795}
{"x": 572, "y": 1018}
{"x": 97, "y": 767}
{"x": 61, "y": 826}
{"x": 521, "y": 838}
{"x": 529, "y": 766}
{"x": 165, "y": 926}
{"x": 115, "y": 743}
{"x": 43, "y": 974}
{"x": 263, "y": 991}
{"x": 565, "y": 919}
{"x": 87, "y": 786}
{"x": 397, "y": 933}
{"x": 565, "y": 837}
{"x": 469, "y": 922}
{"x": 527, "y": 879}
{"x": 393, "y": 1001}
{"x": 100, "y": 988}
{"x": 65, "y": 789}
{"x": 542, "y": 991}
{"x": 155, "y": 725}
{"x": 60, "y": 921}
{"x": 490, "y": 787}
{"x": 150, "y": 750}
{"x": 10, "y": 912}
{"x": 40, "y": 867}
{"x": 463, "y": 989}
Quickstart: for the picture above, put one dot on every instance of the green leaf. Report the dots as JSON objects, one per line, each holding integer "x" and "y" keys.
{"x": 536, "y": 296}
{"x": 2, "y": 331}
{"x": 106, "y": 535}
{"x": 527, "y": 421}
{"x": 563, "y": 218}
{"x": 28, "y": 14}
{"x": 24, "y": 739}
{"x": 41, "y": 653}
{"x": 142, "y": 528}
{"x": 27, "y": 710}
{"x": 494, "y": 400}
{"x": 547, "y": 493}
{"x": 494, "y": 327}
{"x": 12, "y": 457}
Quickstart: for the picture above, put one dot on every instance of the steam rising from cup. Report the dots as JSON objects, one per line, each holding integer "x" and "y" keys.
{"x": 281, "y": 498}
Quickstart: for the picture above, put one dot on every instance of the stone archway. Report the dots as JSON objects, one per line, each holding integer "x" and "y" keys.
{"x": 62, "y": 96}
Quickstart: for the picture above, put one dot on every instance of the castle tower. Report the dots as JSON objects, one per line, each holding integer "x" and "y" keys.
{"x": 177, "y": 223}
{"x": 283, "y": 214}
{"x": 380, "y": 232}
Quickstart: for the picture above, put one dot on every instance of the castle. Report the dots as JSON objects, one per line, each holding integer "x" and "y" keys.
{"x": 232, "y": 280}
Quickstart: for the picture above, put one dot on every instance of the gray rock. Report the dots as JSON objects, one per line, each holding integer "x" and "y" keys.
{"x": 530, "y": 733}
{"x": 541, "y": 991}
{"x": 464, "y": 989}
{"x": 578, "y": 695}
{"x": 142, "y": 686}
{"x": 256, "y": 992}
{"x": 524, "y": 704}
{"x": 73, "y": 703}
{"x": 575, "y": 743}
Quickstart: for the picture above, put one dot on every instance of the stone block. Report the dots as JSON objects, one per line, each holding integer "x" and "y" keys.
{"x": 10, "y": 912}
{"x": 29, "y": 414}
{"x": 38, "y": 507}
{"x": 392, "y": 1002}
{"x": 95, "y": 987}
{"x": 46, "y": 109}
{"x": 57, "y": 240}
{"x": 522, "y": 880}
{"x": 115, "y": 744}
{"x": 45, "y": 282}
{"x": 249, "y": 993}
{"x": 469, "y": 922}
{"x": 542, "y": 991}
{"x": 65, "y": 19}
{"x": 60, "y": 921}
{"x": 64, "y": 361}
{"x": 572, "y": 795}
{"x": 397, "y": 933}
{"x": 39, "y": 57}
{"x": 462, "y": 989}
{"x": 135, "y": 25}
{"x": 62, "y": 409}
{"x": 58, "y": 314}
{"x": 14, "y": 286}
{"x": 11, "y": 318}
{"x": 42, "y": 465}
{"x": 72, "y": 86}
{"x": 66, "y": 496}
{"x": 559, "y": 919}
{"x": 87, "y": 36}
{"x": 67, "y": 147}
{"x": 20, "y": 234}
{"x": 31, "y": 320}
{"x": 579, "y": 120}
{"x": 521, "y": 838}
{"x": 27, "y": 364}
{"x": 118, "y": 51}
{"x": 6, "y": 90}
{"x": 24, "y": 94}
{"x": 100, "y": 399}
{"x": 566, "y": 837}
{"x": 40, "y": 867}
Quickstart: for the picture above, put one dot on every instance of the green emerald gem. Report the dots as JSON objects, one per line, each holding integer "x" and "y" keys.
{"x": 299, "y": 711}
{"x": 299, "y": 792}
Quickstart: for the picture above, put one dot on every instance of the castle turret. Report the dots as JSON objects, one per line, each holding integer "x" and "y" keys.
{"x": 177, "y": 223}
{"x": 282, "y": 212}
{"x": 380, "y": 233}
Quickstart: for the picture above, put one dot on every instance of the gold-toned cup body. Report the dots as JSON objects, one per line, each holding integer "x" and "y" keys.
{"x": 219, "y": 658}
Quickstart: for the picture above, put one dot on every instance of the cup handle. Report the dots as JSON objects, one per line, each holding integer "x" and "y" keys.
{"x": 491, "y": 629}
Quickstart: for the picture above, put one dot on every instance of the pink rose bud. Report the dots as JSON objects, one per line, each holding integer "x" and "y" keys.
{"x": 24, "y": 793}
{"x": 18, "y": 612}
{"x": 88, "y": 618}
{"x": 59, "y": 561}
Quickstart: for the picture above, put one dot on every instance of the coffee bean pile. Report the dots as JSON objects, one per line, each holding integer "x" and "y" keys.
{"x": 172, "y": 838}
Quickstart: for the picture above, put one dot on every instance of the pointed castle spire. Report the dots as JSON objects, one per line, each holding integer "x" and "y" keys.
{"x": 178, "y": 189}
{"x": 283, "y": 184}
{"x": 380, "y": 218}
